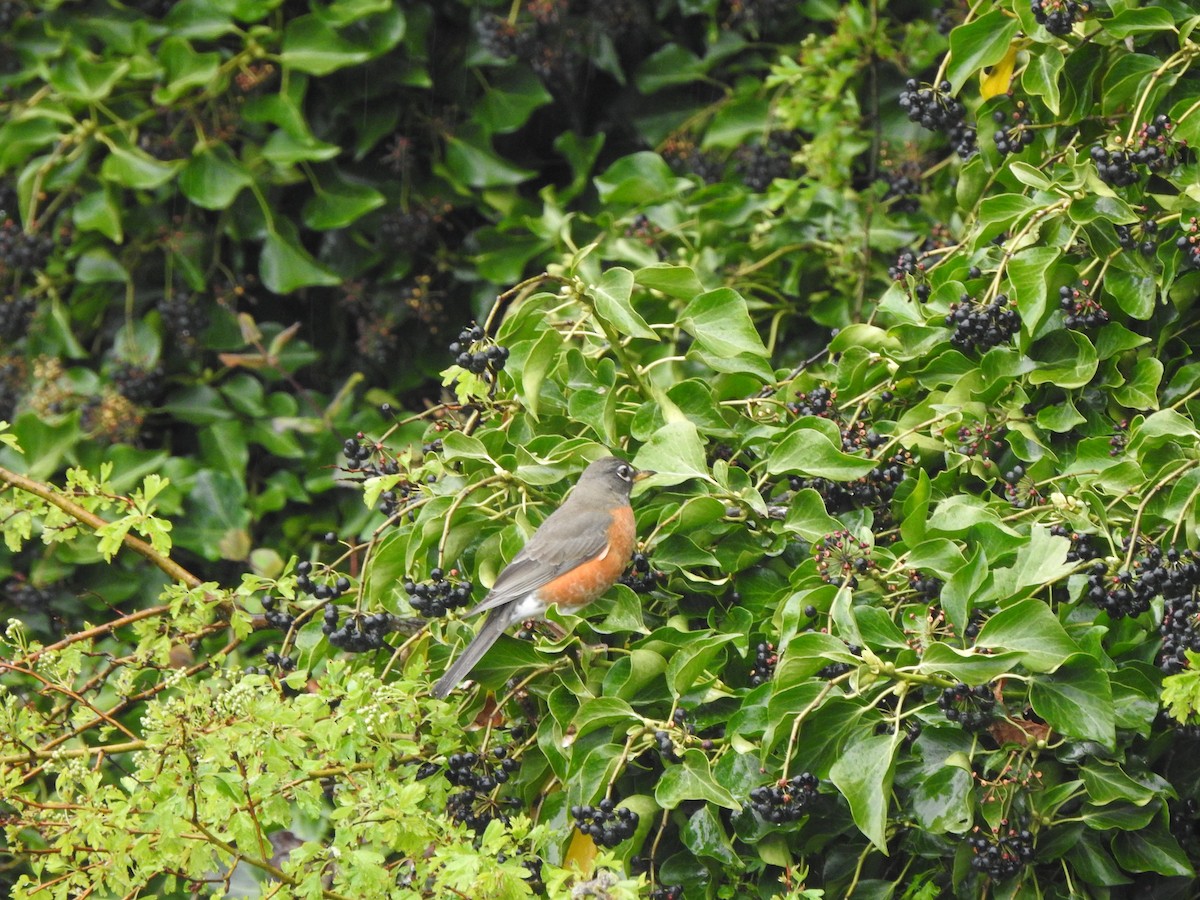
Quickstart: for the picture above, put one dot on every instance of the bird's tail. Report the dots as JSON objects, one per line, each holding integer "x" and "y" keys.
{"x": 492, "y": 628}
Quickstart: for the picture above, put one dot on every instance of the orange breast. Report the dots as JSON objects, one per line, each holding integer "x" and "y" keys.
{"x": 587, "y": 582}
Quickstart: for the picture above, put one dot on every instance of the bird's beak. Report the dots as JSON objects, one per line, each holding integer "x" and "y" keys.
{"x": 642, "y": 474}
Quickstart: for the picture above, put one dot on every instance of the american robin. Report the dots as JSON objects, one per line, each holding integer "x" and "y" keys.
{"x": 573, "y": 558}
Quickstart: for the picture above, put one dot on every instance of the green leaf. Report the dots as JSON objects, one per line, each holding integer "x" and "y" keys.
{"x": 692, "y": 780}
{"x": 134, "y": 168}
{"x": 1077, "y": 700}
{"x": 979, "y": 44}
{"x": 704, "y": 834}
{"x": 1028, "y": 626}
{"x": 807, "y": 451}
{"x": 1027, "y": 273}
{"x": 82, "y": 79}
{"x": 1140, "y": 390}
{"x": 720, "y": 322}
{"x": 941, "y": 801}
{"x": 285, "y": 266}
{"x": 675, "y": 452}
{"x": 475, "y": 164}
{"x": 968, "y": 666}
{"x": 534, "y": 365}
{"x": 637, "y": 180}
{"x": 338, "y": 202}
{"x": 687, "y": 665}
{"x": 185, "y": 69}
{"x": 680, "y": 282}
{"x": 212, "y": 179}
{"x": 1040, "y": 77}
{"x": 1041, "y": 561}
{"x": 310, "y": 45}
{"x": 1152, "y": 849}
{"x": 99, "y": 211}
{"x": 1134, "y": 292}
{"x": 1138, "y": 21}
{"x": 864, "y": 776}
{"x": 611, "y": 297}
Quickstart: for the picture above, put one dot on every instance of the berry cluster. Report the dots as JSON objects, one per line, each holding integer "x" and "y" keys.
{"x": 908, "y": 265}
{"x": 838, "y": 669}
{"x": 1002, "y": 855}
{"x": 606, "y": 823}
{"x": 841, "y": 557}
{"x": 1180, "y": 626}
{"x": 277, "y": 618}
{"x": 1155, "y": 149}
{"x": 785, "y": 800}
{"x": 979, "y": 326}
{"x": 183, "y": 321}
{"x": 640, "y": 577}
{"x": 1142, "y": 235}
{"x": 903, "y": 186}
{"x": 1082, "y": 546}
{"x": 409, "y": 231}
{"x": 437, "y": 596}
{"x": 1013, "y": 133}
{"x": 359, "y": 453}
{"x": 471, "y": 353}
{"x": 646, "y": 233}
{"x": 982, "y": 440}
{"x": 667, "y": 892}
{"x": 139, "y": 384}
{"x": 1083, "y": 311}
{"x": 286, "y": 663}
{"x": 1129, "y": 592}
{"x": 765, "y": 659}
{"x": 360, "y": 633}
{"x": 478, "y": 776}
{"x": 926, "y": 587}
{"x": 1116, "y": 443}
{"x": 666, "y": 746}
{"x": 16, "y": 311}
{"x": 686, "y": 158}
{"x": 503, "y": 39}
{"x": 970, "y": 707}
{"x": 1189, "y": 242}
{"x": 820, "y": 401}
{"x": 1114, "y": 167}
{"x": 933, "y": 107}
{"x": 1057, "y": 16}
{"x": 19, "y": 251}
{"x": 111, "y": 417}
{"x": 760, "y": 164}
{"x": 323, "y": 590}
{"x": 1022, "y": 492}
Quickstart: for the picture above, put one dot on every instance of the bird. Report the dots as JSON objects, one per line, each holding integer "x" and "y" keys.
{"x": 573, "y": 557}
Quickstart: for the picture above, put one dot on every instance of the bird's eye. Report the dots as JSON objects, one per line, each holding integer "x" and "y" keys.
{"x": 624, "y": 472}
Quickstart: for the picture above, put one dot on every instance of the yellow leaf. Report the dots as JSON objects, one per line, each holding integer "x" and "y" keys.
{"x": 997, "y": 79}
{"x": 581, "y": 853}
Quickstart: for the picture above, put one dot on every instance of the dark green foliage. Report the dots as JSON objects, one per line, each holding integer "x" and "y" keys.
{"x": 311, "y": 313}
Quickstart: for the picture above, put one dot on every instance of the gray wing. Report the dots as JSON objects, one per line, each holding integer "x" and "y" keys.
{"x": 551, "y": 551}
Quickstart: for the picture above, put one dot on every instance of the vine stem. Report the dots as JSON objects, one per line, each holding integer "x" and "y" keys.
{"x": 173, "y": 570}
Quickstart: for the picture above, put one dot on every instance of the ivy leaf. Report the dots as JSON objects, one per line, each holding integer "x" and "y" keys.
{"x": 285, "y": 266}
{"x": 675, "y": 453}
{"x": 863, "y": 774}
{"x": 612, "y": 297}
{"x": 1077, "y": 700}
{"x": 1029, "y": 627}
{"x": 979, "y": 44}
{"x": 692, "y": 780}
{"x": 807, "y": 451}
{"x": 310, "y": 45}
{"x": 212, "y": 178}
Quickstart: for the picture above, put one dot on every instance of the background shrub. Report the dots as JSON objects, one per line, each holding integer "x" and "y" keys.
{"x": 311, "y": 312}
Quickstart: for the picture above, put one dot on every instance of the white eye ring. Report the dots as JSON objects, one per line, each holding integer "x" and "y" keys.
{"x": 624, "y": 472}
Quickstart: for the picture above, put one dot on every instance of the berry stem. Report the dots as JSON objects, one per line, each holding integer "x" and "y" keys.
{"x": 1181, "y": 56}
